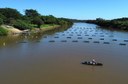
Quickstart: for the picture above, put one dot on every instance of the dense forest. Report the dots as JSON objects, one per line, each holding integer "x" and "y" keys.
{"x": 30, "y": 19}
{"x": 118, "y": 24}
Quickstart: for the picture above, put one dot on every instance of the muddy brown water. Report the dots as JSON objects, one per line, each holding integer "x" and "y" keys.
{"x": 55, "y": 57}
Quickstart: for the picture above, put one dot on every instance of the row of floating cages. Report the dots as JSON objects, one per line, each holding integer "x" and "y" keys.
{"x": 97, "y": 42}
{"x": 90, "y": 38}
{"x": 126, "y": 40}
{"x": 91, "y": 30}
{"x": 74, "y": 41}
{"x": 84, "y": 35}
{"x": 84, "y": 27}
{"x": 85, "y": 32}
{"x": 66, "y": 35}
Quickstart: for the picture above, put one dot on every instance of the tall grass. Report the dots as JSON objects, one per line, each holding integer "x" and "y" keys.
{"x": 3, "y": 31}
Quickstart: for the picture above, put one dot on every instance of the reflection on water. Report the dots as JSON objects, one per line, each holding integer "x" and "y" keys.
{"x": 8, "y": 40}
{"x": 55, "y": 57}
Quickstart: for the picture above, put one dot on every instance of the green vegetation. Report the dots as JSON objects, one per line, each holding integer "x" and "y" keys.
{"x": 22, "y": 25}
{"x": 38, "y": 21}
{"x": 31, "y": 19}
{"x": 119, "y": 24}
{"x": 9, "y": 14}
{"x": 48, "y": 25}
{"x": 1, "y": 21}
{"x": 53, "y": 20}
{"x": 3, "y": 31}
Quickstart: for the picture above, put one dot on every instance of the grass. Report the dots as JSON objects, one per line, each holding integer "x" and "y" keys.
{"x": 48, "y": 25}
{"x": 3, "y": 31}
{"x": 45, "y": 27}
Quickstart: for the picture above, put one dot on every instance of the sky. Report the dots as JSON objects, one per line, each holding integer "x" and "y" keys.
{"x": 75, "y": 9}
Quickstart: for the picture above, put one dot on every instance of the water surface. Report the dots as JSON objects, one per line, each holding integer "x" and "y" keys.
{"x": 55, "y": 57}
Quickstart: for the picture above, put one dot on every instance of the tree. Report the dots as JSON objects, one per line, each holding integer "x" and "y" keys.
{"x": 1, "y": 21}
{"x": 49, "y": 19}
{"x": 22, "y": 25}
{"x": 38, "y": 21}
{"x": 31, "y": 13}
{"x": 2, "y": 17}
{"x": 8, "y": 13}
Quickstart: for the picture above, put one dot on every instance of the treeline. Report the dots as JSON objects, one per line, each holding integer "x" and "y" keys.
{"x": 30, "y": 19}
{"x": 119, "y": 24}
{"x": 76, "y": 20}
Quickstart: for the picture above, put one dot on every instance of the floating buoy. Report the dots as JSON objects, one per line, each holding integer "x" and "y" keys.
{"x": 93, "y": 35}
{"x": 86, "y": 35}
{"x": 106, "y": 43}
{"x": 51, "y": 41}
{"x": 64, "y": 41}
{"x": 114, "y": 40}
{"x": 111, "y": 36}
{"x": 37, "y": 41}
{"x": 122, "y": 44}
{"x": 89, "y": 38}
{"x": 56, "y": 37}
{"x": 78, "y": 35}
{"x": 96, "y": 42}
{"x": 79, "y": 38}
{"x": 69, "y": 37}
{"x": 75, "y": 41}
{"x": 102, "y": 36}
{"x": 125, "y": 40}
{"x": 23, "y": 42}
{"x": 102, "y": 39}
{"x": 86, "y": 41}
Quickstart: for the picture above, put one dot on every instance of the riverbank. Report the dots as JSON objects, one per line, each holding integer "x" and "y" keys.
{"x": 11, "y": 30}
{"x": 15, "y": 31}
{"x": 115, "y": 24}
{"x": 29, "y": 22}
{"x": 44, "y": 28}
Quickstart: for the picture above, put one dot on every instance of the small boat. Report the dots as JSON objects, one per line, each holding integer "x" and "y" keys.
{"x": 92, "y": 63}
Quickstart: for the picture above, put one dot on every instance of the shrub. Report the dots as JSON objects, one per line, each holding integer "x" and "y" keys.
{"x": 3, "y": 31}
{"x": 37, "y": 21}
{"x": 22, "y": 25}
{"x": 1, "y": 21}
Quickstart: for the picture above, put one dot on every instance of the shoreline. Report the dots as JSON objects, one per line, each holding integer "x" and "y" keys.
{"x": 44, "y": 29}
{"x": 14, "y": 31}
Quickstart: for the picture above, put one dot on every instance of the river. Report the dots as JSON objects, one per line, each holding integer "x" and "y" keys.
{"x": 55, "y": 57}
